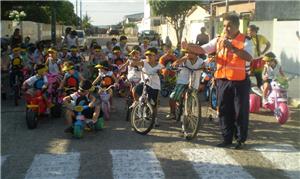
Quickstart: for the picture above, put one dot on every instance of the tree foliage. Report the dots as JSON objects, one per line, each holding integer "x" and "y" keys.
{"x": 40, "y": 11}
{"x": 175, "y": 12}
{"x": 86, "y": 22}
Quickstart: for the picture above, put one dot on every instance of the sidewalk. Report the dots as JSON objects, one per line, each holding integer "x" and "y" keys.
{"x": 294, "y": 91}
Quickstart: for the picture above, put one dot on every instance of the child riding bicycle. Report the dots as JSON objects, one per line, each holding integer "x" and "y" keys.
{"x": 189, "y": 61}
{"x": 150, "y": 70}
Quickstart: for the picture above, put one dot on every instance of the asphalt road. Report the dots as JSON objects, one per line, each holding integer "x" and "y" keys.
{"x": 272, "y": 151}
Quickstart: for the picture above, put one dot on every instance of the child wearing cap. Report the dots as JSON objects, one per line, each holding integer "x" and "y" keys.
{"x": 190, "y": 61}
{"x": 150, "y": 70}
{"x": 118, "y": 58}
{"x": 15, "y": 65}
{"x": 37, "y": 83}
{"x": 106, "y": 78}
{"x": 75, "y": 57}
{"x": 82, "y": 97}
{"x": 270, "y": 72}
{"x": 71, "y": 78}
{"x": 134, "y": 72}
{"x": 97, "y": 56}
{"x": 52, "y": 62}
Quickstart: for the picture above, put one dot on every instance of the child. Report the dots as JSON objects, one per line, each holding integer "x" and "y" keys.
{"x": 150, "y": 70}
{"x": 75, "y": 57}
{"x": 166, "y": 60}
{"x": 71, "y": 78}
{"x": 52, "y": 62}
{"x": 145, "y": 45}
{"x": 270, "y": 72}
{"x": 134, "y": 73}
{"x": 123, "y": 45}
{"x": 82, "y": 97}
{"x": 190, "y": 61}
{"x": 97, "y": 56}
{"x": 106, "y": 78}
{"x": 37, "y": 83}
{"x": 15, "y": 66}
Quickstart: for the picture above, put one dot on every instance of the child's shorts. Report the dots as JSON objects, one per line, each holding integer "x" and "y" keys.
{"x": 152, "y": 93}
{"x": 177, "y": 92}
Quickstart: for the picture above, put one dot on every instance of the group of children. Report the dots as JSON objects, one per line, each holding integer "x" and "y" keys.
{"x": 140, "y": 63}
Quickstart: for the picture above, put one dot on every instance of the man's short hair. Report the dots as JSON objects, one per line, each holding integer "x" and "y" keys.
{"x": 233, "y": 18}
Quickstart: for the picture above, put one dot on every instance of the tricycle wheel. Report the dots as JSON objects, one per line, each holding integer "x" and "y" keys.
{"x": 31, "y": 119}
{"x": 99, "y": 124}
{"x": 78, "y": 131}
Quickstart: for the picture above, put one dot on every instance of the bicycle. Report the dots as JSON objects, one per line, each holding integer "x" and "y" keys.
{"x": 129, "y": 99}
{"x": 188, "y": 110}
{"x": 143, "y": 113}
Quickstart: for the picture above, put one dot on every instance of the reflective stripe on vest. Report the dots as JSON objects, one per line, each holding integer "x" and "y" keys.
{"x": 229, "y": 65}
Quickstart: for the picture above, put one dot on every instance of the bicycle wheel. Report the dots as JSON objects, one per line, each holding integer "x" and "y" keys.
{"x": 191, "y": 115}
{"x": 142, "y": 118}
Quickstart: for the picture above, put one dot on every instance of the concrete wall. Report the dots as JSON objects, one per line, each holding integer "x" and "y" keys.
{"x": 284, "y": 10}
{"x": 284, "y": 43}
{"x": 36, "y": 31}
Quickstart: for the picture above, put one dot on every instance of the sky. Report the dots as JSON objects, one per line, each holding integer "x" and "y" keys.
{"x": 108, "y": 12}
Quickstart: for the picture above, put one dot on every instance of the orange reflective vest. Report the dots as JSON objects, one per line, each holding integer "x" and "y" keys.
{"x": 229, "y": 65}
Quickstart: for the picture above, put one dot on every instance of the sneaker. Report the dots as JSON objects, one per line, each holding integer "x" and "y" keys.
{"x": 170, "y": 116}
{"x": 69, "y": 129}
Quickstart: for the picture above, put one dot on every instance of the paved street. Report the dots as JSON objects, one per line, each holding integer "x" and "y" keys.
{"x": 272, "y": 151}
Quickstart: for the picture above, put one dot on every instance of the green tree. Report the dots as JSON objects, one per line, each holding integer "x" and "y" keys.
{"x": 40, "y": 11}
{"x": 174, "y": 11}
{"x": 86, "y": 22}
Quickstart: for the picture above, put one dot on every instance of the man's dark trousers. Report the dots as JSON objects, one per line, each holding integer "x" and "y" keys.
{"x": 233, "y": 106}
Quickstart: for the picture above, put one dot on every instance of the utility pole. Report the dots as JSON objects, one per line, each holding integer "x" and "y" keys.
{"x": 53, "y": 23}
{"x": 76, "y": 4}
{"x": 227, "y": 6}
{"x": 80, "y": 14}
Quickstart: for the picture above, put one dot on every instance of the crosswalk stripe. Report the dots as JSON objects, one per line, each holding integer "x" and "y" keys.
{"x": 136, "y": 164}
{"x": 3, "y": 158}
{"x": 215, "y": 163}
{"x": 54, "y": 166}
{"x": 283, "y": 156}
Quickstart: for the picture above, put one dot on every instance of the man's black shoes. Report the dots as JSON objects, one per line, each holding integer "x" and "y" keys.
{"x": 239, "y": 145}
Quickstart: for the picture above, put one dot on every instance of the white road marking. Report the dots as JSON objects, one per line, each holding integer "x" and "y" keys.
{"x": 215, "y": 163}
{"x": 3, "y": 158}
{"x": 54, "y": 166}
{"x": 284, "y": 157}
{"x": 136, "y": 164}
